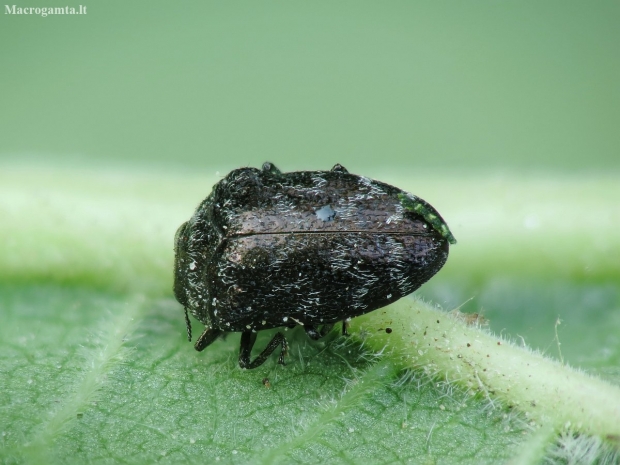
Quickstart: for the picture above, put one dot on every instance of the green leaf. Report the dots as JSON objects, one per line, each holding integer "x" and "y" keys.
{"x": 95, "y": 366}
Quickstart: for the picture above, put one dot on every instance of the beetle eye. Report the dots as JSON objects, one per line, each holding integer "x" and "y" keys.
{"x": 338, "y": 168}
{"x": 270, "y": 168}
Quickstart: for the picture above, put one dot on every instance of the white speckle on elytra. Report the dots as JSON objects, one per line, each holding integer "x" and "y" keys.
{"x": 326, "y": 213}
{"x": 192, "y": 266}
{"x": 285, "y": 318}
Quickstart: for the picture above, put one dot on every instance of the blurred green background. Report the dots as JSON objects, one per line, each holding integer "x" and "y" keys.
{"x": 503, "y": 115}
{"x": 376, "y": 86}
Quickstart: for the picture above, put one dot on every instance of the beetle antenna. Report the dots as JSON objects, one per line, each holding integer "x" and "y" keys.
{"x": 188, "y": 325}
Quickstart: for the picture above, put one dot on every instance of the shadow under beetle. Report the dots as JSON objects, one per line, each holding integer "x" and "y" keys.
{"x": 268, "y": 249}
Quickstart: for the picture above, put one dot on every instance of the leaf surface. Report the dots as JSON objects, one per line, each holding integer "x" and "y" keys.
{"x": 96, "y": 368}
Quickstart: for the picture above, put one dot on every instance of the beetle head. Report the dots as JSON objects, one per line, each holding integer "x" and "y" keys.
{"x": 180, "y": 267}
{"x": 194, "y": 242}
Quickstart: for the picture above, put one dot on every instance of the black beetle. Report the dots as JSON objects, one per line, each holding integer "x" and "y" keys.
{"x": 268, "y": 249}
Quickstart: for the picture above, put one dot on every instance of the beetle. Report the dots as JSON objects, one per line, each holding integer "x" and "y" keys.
{"x": 268, "y": 249}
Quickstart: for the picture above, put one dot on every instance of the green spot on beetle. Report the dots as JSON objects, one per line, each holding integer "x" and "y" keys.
{"x": 416, "y": 205}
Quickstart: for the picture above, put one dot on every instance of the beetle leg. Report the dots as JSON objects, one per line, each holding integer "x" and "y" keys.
{"x": 188, "y": 325}
{"x": 345, "y": 326}
{"x": 326, "y": 329}
{"x": 206, "y": 338}
{"x": 247, "y": 342}
{"x": 315, "y": 334}
{"x": 312, "y": 332}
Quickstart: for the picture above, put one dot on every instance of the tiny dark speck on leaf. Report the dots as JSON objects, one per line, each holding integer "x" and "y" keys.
{"x": 468, "y": 344}
{"x": 266, "y": 383}
{"x": 388, "y": 330}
